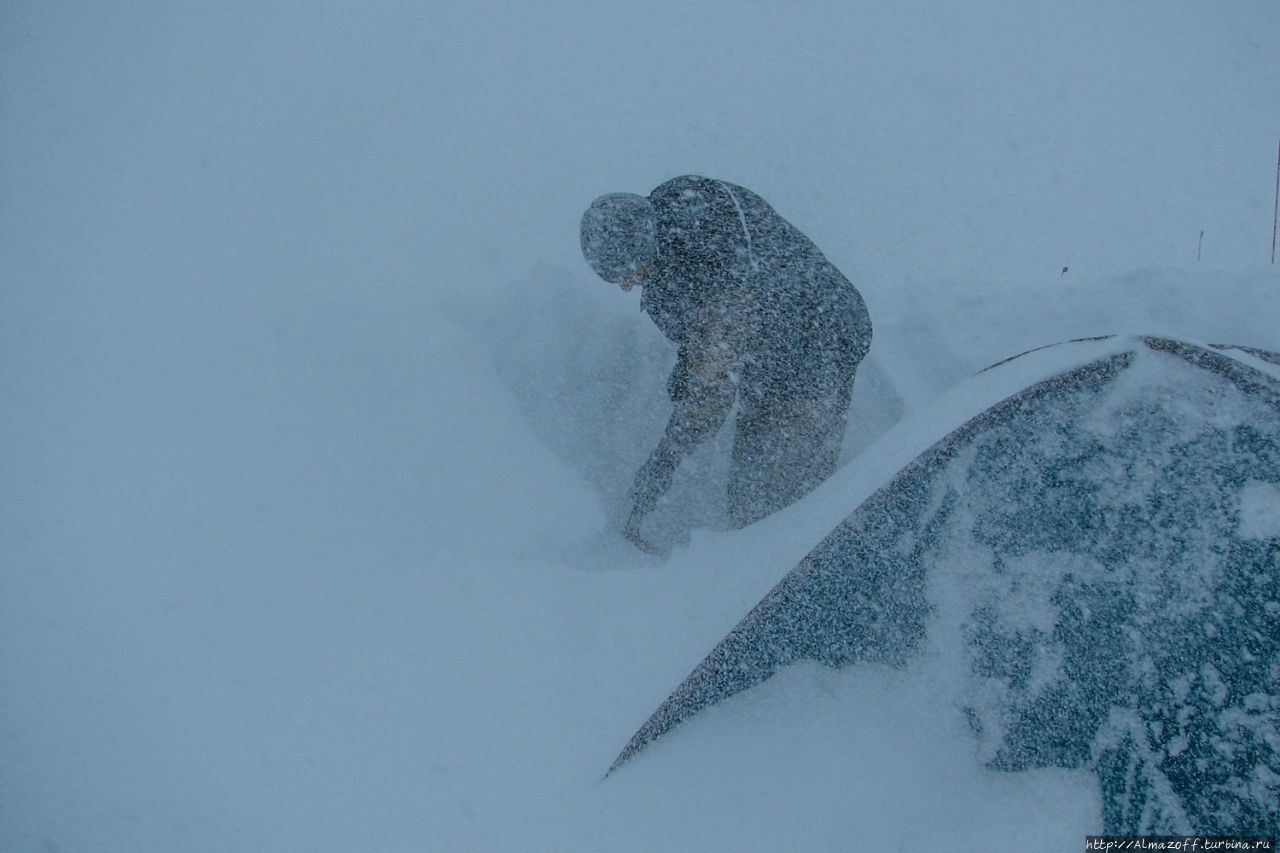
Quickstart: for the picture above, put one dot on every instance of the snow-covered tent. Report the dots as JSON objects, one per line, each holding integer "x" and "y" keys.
{"x": 1098, "y": 554}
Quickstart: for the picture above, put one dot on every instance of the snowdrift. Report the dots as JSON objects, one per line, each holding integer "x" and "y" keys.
{"x": 1097, "y": 553}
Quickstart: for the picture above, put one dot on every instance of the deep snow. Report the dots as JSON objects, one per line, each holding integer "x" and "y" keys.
{"x": 316, "y": 428}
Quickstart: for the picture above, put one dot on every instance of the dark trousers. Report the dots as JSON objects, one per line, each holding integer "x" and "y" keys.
{"x": 786, "y": 443}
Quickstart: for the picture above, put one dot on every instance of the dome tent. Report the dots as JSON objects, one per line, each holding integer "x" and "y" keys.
{"x": 1103, "y": 546}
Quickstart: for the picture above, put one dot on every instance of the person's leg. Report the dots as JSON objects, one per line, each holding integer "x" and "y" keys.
{"x": 784, "y": 446}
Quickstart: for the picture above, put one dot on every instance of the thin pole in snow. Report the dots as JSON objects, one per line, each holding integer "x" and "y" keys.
{"x": 1275, "y": 213}
{"x": 1199, "y": 246}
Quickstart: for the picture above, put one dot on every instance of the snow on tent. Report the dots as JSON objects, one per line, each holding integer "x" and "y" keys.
{"x": 1102, "y": 550}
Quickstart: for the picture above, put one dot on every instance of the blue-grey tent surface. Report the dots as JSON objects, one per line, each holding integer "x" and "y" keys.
{"x": 1099, "y": 552}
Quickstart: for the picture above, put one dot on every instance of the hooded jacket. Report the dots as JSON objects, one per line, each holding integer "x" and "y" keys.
{"x": 731, "y": 273}
{"x": 753, "y": 305}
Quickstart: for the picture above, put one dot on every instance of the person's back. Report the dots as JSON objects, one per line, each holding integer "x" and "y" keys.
{"x": 787, "y": 308}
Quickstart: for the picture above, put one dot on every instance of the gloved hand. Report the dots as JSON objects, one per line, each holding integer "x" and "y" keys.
{"x": 631, "y": 530}
{"x": 652, "y": 481}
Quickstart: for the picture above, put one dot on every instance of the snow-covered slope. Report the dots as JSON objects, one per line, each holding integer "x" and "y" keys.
{"x": 316, "y": 429}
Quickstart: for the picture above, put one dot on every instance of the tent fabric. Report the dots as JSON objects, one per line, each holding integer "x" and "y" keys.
{"x": 1099, "y": 546}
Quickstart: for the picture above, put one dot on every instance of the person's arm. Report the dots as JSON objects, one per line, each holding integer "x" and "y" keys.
{"x": 703, "y": 391}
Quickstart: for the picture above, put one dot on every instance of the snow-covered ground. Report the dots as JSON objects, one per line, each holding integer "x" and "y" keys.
{"x": 316, "y": 429}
